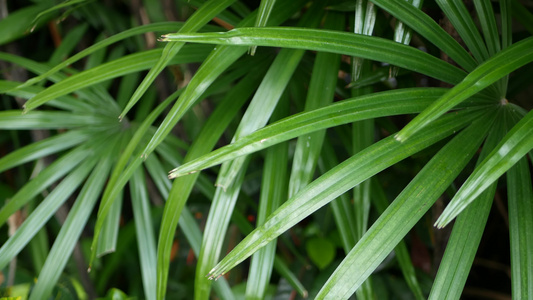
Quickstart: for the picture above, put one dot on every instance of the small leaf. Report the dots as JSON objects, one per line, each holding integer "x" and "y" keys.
{"x": 321, "y": 251}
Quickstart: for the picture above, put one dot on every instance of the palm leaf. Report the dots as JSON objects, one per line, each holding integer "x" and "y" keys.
{"x": 337, "y": 181}
{"x": 370, "y": 106}
{"x": 368, "y": 47}
{"x": 405, "y": 211}
{"x": 487, "y": 73}
{"x": 517, "y": 143}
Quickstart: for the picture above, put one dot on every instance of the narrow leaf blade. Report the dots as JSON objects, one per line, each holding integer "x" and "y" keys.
{"x": 489, "y": 72}
{"x": 517, "y": 143}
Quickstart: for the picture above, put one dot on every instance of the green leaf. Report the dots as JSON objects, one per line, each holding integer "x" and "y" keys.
{"x": 520, "y": 228}
{"x": 126, "y": 88}
{"x": 39, "y": 247}
{"x": 194, "y": 237}
{"x": 95, "y": 95}
{"x": 402, "y": 34}
{"x": 265, "y": 8}
{"x": 523, "y": 15}
{"x": 273, "y": 193}
{"x": 363, "y": 135}
{"x": 487, "y": 73}
{"x": 211, "y": 132}
{"x": 203, "y": 15}
{"x": 119, "y": 67}
{"x": 337, "y": 181}
{"x": 261, "y": 107}
{"x": 145, "y": 233}
{"x": 292, "y": 278}
{"x": 43, "y": 148}
{"x": 368, "y": 47}
{"x": 216, "y": 63}
{"x": 212, "y": 67}
{"x": 17, "y": 24}
{"x": 321, "y": 252}
{"x": 70, "y": 231}
{"x": 491, "y": 34}
{"x": 207, "y": 139}
{"x": 163, "y": 26}
{"x": 47, "y": 177}
{"x": 64, "y": 102}
{"x": 118, "y": 180}
{"x": 321, "y": 92}
{"x": 506, "y": 23}
{"x": 517, "y": 143}
{"x": 121, "y": 173}
{"x": 467, "y": 232}
{"x": 108, "y": 237}
{"x": 461, "y": 20}
{"x": 370, "y": 106}
{"x": 116, "y": 294}
{"x": 268, "y": 95}
{"x": 215, "y": 230}
{"x": 406, "y": 210}
{"x": 429, "y": 29}
{"x": 488, "y": 26}
{"x": 14, "y": 119}
{"x": 44, "y": 211}
{"x": 187, "y": 222}
{"x": 365, "y": 18}
{"x": 402, "y": 254}
{"x": 507, "y": 36}
{"x": 55, "y": 8}
{"x": 68, "y": 42}
{"x": 341, "y": 207}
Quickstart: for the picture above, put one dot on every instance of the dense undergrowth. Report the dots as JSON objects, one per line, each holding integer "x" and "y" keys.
{"x": 377, "y": 150}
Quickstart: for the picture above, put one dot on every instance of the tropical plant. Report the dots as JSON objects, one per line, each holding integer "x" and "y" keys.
{"x": 341, "y": 127}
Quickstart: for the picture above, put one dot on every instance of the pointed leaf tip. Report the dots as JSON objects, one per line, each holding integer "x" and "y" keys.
{"x": 441, "y": 223}
{"x": 400, "y": 137}
{"x": 397, "y": 137}
{"x": 218, "y": 185}
{"x": 212, "y": 275}
{"x": 175, "y": 173}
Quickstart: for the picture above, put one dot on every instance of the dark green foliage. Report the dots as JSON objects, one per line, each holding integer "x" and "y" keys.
{"x": 351, "y": 148}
